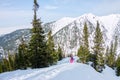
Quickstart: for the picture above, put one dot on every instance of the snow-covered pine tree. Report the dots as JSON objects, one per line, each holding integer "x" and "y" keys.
{"x": 37, "y": 46}
{"x": 98, "y": 49}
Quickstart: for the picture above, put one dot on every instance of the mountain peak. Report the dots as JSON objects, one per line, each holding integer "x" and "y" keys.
{"x": 89, "y": 14}
{"x": 65, "y": 18}
{"x": 59, "y": 24}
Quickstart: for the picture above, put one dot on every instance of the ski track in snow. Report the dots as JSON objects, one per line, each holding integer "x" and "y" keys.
{"x": 62, "y": 71}
{"x": 50, "y": 73}
{"x": 42, "y": 74}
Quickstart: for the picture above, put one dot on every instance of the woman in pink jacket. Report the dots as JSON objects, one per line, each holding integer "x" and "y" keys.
{"x": 71, "y": 59}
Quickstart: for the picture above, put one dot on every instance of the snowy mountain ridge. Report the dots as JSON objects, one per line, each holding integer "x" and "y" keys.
{"x": 68, "y": 36}
{"x": 68, "y": 32}
{"x": 109, "y": 21}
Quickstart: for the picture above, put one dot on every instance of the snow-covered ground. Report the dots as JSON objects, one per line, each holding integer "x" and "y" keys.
{"x": 62, "y": 71}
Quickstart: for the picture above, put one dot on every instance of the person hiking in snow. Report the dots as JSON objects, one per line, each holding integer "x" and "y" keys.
{"x": 71, "y": 58}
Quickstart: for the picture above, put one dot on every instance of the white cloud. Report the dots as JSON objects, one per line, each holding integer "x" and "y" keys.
{"x": 49, "y": 7}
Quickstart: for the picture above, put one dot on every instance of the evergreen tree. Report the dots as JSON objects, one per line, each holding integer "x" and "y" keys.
{"x": 16, "y": 61}
{"x": 106, "y": 54}
{"x": 22, "y": 56}
{"x": 60, "y": 53}
{"x": 11, "y": 61}
{"x": 84, "y": 52}
{"x": 51, "y": 49}
{"x": 85, "y": 36}
{"x": 38, "y": 55}
{"x": 100, "y": 62}
{"x": 107, "y": 50}
{"x": 111, "y": 57}
{"x": 98, "y": 49}
{"x": 86, "y": 42}
{"x": 115, "y": 44}
{"x": 118, "y": 66}
{"x": 81, "y": 54}
{"x": 6, "y": 65}
{"x": 1, "y": 70}
{"x": 115, "y": 49}
{"x": 9, "y": 66}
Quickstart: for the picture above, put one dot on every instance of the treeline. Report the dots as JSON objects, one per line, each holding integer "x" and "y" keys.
{"x": 37, "y": 57}
{"x": 38, "y": 53}
{"x": 99, "y": 55}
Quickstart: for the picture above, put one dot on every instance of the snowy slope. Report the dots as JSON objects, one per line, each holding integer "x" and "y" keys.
{"x": 59, "y": 24}
{"x": 69, "y": 35}
{"x": 62, "y": 71}
{"x": 110, "y": 22}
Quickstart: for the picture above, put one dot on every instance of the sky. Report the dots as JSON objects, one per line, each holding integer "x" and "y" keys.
{"x": 18, "y": 14}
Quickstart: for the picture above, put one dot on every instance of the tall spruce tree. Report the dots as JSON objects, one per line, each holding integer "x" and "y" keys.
{"x": 83, "y": 51}
{"x": 37, "y": 46}
{"x": 51, "y": 49}
{"x": 85, "y": 36}
{"x": 98, "y": 49}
